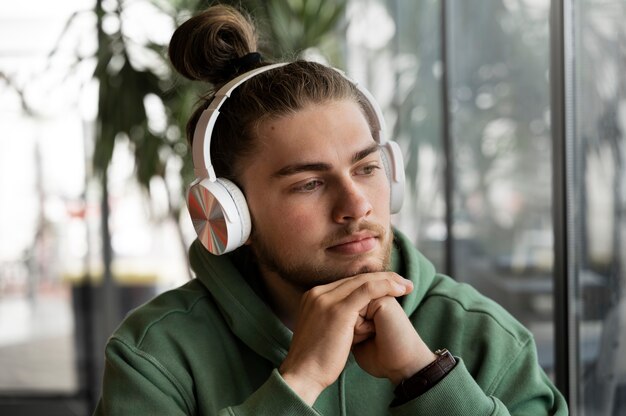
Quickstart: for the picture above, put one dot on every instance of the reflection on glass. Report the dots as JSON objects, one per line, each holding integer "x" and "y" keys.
{"x": 600, "y": 197}
{"x": 499, "y": 108}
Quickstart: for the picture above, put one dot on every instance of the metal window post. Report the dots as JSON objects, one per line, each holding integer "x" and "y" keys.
{"x": 446, "y": 120}
{"x": 562, "y": 121}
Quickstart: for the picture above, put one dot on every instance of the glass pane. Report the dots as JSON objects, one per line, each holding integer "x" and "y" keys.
{"x": 499, "y": 112}
{"x": 600, "y": 202}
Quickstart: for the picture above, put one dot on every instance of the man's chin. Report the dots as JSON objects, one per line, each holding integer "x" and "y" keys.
{"x": 372, "y": 262}
{"x": 332, "y": 272}
{"x": 371, "y": 266}
{"x": 322, "y": 269}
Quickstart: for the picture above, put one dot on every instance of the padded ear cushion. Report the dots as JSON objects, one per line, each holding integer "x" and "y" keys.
{"x": 393, "y": 163}
{"x": 384, "y": 155}
{"x": 242, "y": 208}
{"x": 220, "y": 215}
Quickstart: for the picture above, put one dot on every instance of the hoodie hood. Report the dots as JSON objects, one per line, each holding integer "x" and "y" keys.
{"x": 247, "y": 315}
{"x": 412, "y": 265}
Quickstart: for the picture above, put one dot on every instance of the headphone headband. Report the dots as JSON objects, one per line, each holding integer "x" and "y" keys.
{"x": 201, "y": 148}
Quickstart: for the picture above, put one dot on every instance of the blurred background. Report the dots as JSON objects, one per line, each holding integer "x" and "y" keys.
{"x": 511, "y": 114}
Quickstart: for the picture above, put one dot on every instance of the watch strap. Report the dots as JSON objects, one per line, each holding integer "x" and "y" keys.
{"x": 424, "y": 379}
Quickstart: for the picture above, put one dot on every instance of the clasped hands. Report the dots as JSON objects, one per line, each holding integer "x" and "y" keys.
{"x": 358, "y": 314}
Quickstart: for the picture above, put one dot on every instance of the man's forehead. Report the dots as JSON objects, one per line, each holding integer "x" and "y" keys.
{"x": 330, "y": 133}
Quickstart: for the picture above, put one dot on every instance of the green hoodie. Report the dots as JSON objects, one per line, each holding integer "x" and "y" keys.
{"x": 212, "y": 347}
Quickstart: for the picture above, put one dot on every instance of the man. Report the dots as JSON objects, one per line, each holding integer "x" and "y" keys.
{"x": 324, "y": 308}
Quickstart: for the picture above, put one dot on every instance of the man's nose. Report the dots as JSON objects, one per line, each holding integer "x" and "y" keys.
{"x": 351, "y": 203}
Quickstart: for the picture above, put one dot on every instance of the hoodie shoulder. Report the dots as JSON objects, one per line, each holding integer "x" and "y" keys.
{"x": 456, "y": 295}
{"x": 442, "y": 302}
{"x": 166, "y": 309}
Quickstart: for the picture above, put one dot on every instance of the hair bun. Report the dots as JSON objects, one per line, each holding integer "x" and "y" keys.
{"x": 204, "y": 47}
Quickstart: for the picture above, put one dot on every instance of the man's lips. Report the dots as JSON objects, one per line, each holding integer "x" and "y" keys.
{"x": 355, "y": 244}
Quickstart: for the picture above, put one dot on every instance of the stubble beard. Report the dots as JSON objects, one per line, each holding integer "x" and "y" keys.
{"x": 305, "y": 275}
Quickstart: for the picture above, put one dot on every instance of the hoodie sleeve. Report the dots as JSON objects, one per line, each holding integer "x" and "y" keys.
{"x": 274, "y": 397}
{"x": 525, "y": 389}
{"x": 136, "y": 383}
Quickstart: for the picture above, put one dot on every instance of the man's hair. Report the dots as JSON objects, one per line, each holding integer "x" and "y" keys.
{"x": 204, "y": 49}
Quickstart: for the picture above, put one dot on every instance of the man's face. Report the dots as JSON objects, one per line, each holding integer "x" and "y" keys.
{"x": 318, "y": 196}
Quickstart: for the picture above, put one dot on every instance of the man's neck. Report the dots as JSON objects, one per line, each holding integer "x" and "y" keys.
{"x": 282, "y": 296}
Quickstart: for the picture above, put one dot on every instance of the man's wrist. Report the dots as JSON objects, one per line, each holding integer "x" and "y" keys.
{"x": 307, "y": 390}
{"x": 425, "y": 358}
{"x": 424, "y": 379}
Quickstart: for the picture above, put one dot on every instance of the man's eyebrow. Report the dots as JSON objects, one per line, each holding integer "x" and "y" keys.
{"x": 301, "y": 167}
{"x": 360, "y": 155}
{"x": 320, "y": 166}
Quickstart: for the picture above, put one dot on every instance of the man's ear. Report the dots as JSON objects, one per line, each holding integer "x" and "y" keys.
{"x": 249, "y": 240}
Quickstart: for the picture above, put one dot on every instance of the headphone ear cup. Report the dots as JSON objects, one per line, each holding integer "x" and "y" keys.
{"x": 219, "y": 214}
{"x": 393, "y": 163}
{"x": 242, "y": 209}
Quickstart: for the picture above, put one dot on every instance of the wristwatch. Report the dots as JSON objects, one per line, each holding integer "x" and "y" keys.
{"x": 424, "y": 379}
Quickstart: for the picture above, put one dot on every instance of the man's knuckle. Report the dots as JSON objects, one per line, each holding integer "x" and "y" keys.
{"x": 323, "y": 302}
{"x": 314, "y": 292}
{"x": 381, "y": 303}
{"x": 369, "y": 287}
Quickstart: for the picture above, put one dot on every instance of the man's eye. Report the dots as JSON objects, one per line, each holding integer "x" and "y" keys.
{"x": 368, "y": 170}
{"x": 308, "y": 186}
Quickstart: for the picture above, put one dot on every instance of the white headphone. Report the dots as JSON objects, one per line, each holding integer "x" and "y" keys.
{"x": 218, "y": 208}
